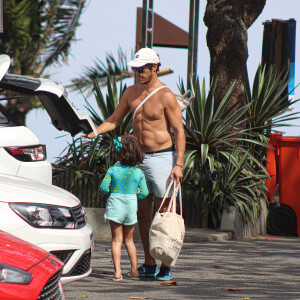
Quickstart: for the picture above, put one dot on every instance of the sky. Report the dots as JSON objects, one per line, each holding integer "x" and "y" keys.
{"x": 108, "y": 25}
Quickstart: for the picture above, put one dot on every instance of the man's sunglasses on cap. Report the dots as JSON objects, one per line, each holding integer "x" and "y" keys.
{"x": 141, "y": 69}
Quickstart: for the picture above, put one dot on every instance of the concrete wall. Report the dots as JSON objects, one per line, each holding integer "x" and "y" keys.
{"x": 232, "y": 221}
{"x": 101, "y": 228}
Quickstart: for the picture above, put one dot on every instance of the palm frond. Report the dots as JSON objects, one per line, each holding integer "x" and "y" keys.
{"x": 114, "y": 69}
{"x": 61, "y": 20}
{"x": 268, "y": 99}
{"x": 38, "y": 32}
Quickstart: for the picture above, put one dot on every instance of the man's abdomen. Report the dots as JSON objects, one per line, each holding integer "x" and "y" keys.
{"x": 152, "y": 134}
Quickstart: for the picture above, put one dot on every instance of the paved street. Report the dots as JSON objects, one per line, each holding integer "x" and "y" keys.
{"x": 266, "y": 267}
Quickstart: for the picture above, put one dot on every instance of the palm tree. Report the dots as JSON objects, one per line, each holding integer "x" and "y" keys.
{"x": 116, "y": 69}
{"x": 37, "y": 33}
{"x": 227, "y": 23}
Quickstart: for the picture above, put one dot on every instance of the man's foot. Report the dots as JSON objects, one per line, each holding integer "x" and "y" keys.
{"x": 164, "y": 274}
{"x": 131, "y": 276}
{"x": 148, "y": 271}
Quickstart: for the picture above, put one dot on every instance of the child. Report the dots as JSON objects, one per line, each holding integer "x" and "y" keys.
{"x": 122, "y": 181}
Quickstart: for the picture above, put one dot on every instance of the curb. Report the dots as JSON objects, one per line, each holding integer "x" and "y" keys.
{"x": 206, "y": 235}
{"x": 101, "y": 230}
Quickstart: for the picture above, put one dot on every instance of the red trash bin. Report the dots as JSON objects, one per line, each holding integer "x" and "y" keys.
{"x": 283, "y": 165}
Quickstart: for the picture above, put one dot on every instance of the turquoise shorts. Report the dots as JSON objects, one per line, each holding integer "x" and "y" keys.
{"x": 157, "y": 168}
{"x": 122, "y": 208}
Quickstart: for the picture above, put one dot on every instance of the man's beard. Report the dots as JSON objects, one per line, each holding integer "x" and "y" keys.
{"x": 145, "y": 81}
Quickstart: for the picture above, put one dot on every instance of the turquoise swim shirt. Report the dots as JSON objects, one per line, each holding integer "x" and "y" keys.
{"x": 122, "y": 179}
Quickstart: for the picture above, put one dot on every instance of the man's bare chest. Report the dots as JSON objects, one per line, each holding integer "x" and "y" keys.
{"x": 152, "y": 109}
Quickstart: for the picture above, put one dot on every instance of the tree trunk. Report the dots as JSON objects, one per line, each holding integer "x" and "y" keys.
{"x": 227, "y": 22}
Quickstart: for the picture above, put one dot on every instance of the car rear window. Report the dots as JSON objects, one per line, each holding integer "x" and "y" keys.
{"x": 6, "y": 120}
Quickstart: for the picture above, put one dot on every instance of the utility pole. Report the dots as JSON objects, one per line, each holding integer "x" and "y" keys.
{"x": 1, "y": 17}
{"x": 193, "y": 43}
{"x": 169, "y": 35}
{"x": 147, "y": 24}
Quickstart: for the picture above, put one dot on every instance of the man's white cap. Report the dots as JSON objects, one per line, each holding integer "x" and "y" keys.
{"x": 144, "y": 56}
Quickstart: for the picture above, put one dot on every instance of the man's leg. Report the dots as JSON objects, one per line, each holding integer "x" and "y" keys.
{"x": 157, "y": 172}
{"x": 149, "y": 268}
{"x": 165, "y": 205}
{"x": 144, "y": 221}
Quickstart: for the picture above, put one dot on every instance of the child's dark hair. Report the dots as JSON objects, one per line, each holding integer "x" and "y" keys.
{"x": 131, "y": 153}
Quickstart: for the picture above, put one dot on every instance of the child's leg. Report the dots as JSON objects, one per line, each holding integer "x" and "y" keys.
{"x": 131, "y": 249}
{"x": 116, "y": 245}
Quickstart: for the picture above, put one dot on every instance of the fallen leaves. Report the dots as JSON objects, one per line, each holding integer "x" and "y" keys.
{"x": 100, "y": 272}
{"x": 233, "y": 290}
{"x": 169, "y": 282}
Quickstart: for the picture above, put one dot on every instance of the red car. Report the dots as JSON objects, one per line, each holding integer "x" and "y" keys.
{"x": 27, "y": 272}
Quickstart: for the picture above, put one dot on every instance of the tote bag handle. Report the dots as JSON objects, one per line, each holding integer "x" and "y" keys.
{"x": 173, "y": 198}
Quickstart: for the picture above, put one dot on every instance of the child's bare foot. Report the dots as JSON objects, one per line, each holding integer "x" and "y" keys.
{"x": 134, "y": 275}
{"x": 118, "y": 276}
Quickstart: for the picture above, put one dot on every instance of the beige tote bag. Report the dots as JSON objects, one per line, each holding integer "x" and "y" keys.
{"x": 167, "y": 230}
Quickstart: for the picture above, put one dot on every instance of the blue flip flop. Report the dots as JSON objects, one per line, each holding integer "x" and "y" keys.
{"x": 118, "y": 279}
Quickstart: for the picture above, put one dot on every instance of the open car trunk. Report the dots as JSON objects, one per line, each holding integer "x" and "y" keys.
{"x": 64, "y": 115}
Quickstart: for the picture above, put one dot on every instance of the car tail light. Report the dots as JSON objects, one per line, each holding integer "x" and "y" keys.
{"x": 33, "y": 153}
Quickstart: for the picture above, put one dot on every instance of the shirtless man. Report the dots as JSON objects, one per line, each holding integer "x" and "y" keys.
{"x": 151, "y": 125}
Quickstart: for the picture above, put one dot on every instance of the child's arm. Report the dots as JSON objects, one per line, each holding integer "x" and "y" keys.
{"x": 143, "y": 187}
{"x": 105, "y": 185}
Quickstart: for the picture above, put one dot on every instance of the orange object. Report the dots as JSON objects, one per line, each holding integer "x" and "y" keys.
{"x": 233, "y": 290}
{"x": 271, "y": 163}
{"x": 283, "y": 164}
{"x": 169, "y": 282}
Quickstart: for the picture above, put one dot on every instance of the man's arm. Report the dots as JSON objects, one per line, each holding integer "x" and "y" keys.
{"x": 174, "y": 116}
{"x": 114, "y": 120}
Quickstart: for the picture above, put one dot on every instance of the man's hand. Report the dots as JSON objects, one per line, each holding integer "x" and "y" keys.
{"x": 176, "y": 174}
{"x": 90, "y": 135}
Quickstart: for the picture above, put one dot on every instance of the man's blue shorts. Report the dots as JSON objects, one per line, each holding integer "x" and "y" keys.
{"x": 157, "y": 167}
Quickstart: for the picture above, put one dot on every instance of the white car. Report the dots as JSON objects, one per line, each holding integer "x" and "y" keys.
{"x": 30, "y": 207}
{"x": 21, "y": 153}
{"x": 49, "y": 217}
